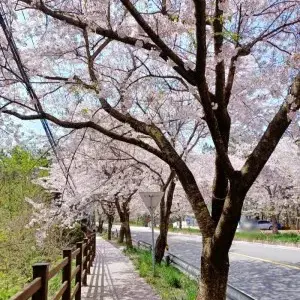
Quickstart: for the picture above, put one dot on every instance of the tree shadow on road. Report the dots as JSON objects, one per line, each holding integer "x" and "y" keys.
{"x": 265, "y": 281}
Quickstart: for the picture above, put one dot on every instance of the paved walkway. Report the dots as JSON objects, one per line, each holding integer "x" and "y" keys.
{"x": 113, "y": 277}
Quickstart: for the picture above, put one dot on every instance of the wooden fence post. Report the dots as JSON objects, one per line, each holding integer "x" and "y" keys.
{"x": 92, "y": 250}
{"x": 84, "y": 280}
{"x": 79, "y": 273}
{"x": 95, "y": 246}
{"x": 91, "y": 253}
{"x": 88, "y": 258}
{"x": 66, "y": 274}
{"x": 41, "y": 270}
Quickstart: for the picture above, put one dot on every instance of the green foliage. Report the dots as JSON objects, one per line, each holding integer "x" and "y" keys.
{"x": 17, "y": 169}
{"x": 174, "y": 18}
{"x": 169, "y": 282}
{"x": 18, "y": 247}
{"x": 233, "y": 36}
{"x": 70, "y": 236}
{"x": 139, "y": 222}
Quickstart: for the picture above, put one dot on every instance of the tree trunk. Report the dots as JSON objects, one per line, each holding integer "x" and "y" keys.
{"x": 165, "y": 211}
{"x": 220, "y": 187}
{"x": 109, "y": 228}
{"x": 215, "y": 259}
{"x": 128, "y": 238}
{"x": 213, "y": 280}
{"x": 128, "y": 235}
{"x": 219, "y": 190}
{"x": 100, "y": 227}
{"x": 160, "y": 245}
{"x": 122, "y": 233}
{"x": 274, "y": 225}
{"x": 288, "y": 220}
{"x": 123, "y": 211}
{"x": 161, "y": 240}
{"x": 217, "y": 237}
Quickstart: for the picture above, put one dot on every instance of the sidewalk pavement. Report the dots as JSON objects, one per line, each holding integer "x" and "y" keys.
{"x": 113, "y": 277}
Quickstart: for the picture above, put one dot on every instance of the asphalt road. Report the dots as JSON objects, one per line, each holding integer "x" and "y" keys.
{"x": 264, "y": 272}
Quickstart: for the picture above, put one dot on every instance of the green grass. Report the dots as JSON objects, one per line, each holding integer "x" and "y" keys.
{"x": 55, "y": 283}
{"x": 185, "y": 230}
{"x": 287, "y": 237}
{"x": 169, "y": 283}
{"x": 136, "y": 223}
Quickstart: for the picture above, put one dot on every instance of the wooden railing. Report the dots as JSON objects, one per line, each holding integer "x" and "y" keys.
{"x": 38, "y": 288}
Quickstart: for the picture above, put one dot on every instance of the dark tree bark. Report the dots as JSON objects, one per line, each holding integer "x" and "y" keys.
{"x": 214, "y": 259}
{"x": 213, "y": 279}
{"x": 121, "y": 232}
{"x": 109, "y": 210}
{"x": 160, "y": 245}
{"x": 180, "y": 222}
{"x": 223, "y": 120}
{"x": 100, "y": 227}
{"x": 110, "y": 220}
{"x": 274, "y": 225}
{"x": 220, "y": 187}
{"x": 165, "y": 211}
{"x": 128, "y": 232}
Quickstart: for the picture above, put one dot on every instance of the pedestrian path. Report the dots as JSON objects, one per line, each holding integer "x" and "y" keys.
{"x": 113, "y": 277}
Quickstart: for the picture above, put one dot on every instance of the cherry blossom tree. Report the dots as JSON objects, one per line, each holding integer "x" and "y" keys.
{"x": 132, "y": 63}
{"x": 109, "y": 179}
{"x": 275, "y": 191}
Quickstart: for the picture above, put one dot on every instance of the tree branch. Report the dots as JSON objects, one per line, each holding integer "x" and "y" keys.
{"x": 92, "y": 125}
{"x": 77, "y": 22}
{"x": 200, "y": 6}
{"x": 271, "y": 137}
{"x": 220, "y": 67}
{"x": 167, "y": 52}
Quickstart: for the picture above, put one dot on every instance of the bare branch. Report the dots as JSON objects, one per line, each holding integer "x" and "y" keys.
{"x": 166, "y": 51}
{"x": 77, "y": 22}
{"x": 92, "y": 125}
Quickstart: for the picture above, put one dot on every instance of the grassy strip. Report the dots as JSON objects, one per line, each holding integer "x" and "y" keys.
{"x": 185, "y": 230}
{"x": 292, "y": 238}
{"x": 169, "y": 283}
{"x": 253, "y": 236}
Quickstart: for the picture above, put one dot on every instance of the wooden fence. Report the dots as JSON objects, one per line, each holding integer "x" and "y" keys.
{"x": 84, "y": 255}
